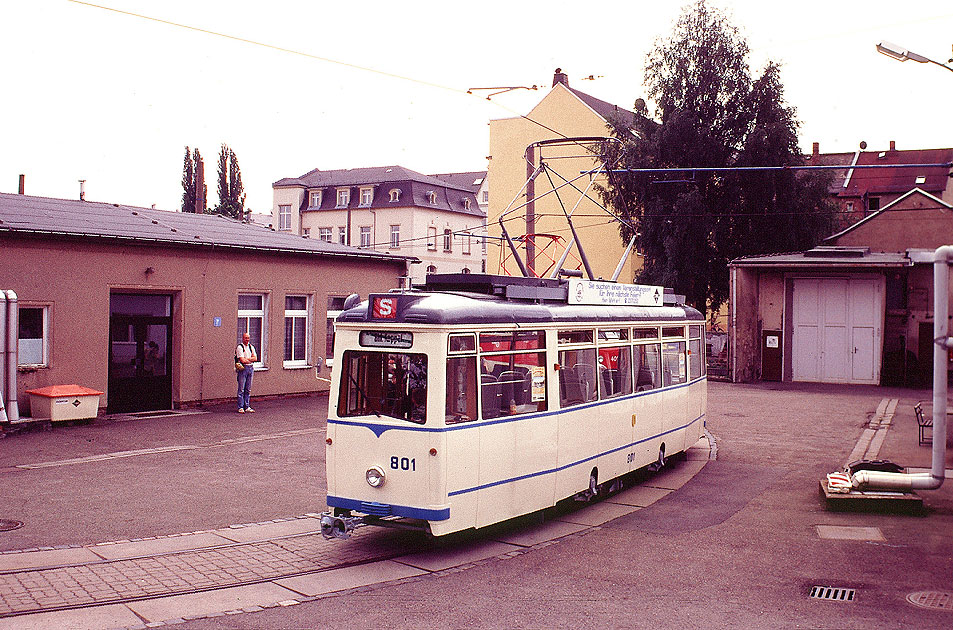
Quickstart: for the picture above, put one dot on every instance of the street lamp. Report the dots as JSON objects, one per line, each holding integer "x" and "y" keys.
{"x": 902, "y": 54}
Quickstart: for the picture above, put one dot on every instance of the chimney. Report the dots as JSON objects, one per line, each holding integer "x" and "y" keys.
{"x": 22, "y": 183}
{"x": 816, "y": 149}
{"x": 893, "y": 145}
{"x": 82, "y": 190}
{"x": 560, "y": 77}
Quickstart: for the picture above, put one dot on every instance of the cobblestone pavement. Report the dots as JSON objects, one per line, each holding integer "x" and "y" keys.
{"x": 190, "y": 571}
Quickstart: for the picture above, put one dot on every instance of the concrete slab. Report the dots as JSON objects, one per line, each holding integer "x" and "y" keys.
{"x": 535, "y": 534}
{"x": 96, "y": 618}
{"x": 441, "y": 559}
{"x": 871, "y": 500}
{"x": 31, "y": 559}
{"x": 222, "y": 600}
{"x": 598, "y": 513}
{"x": 254, "y": 533}
{"x": 841, "y": 532}
{"x": 675, "y": 478}
{"x": 349, "y": 577}
{"x": 639, "y": 496}
{"x": 135, "y": 549}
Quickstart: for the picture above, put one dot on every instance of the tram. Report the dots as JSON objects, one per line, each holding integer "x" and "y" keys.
{"x": 474, "y": 399}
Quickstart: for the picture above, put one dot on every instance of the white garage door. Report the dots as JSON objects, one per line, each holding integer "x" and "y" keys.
{"x": 837, "y": 330}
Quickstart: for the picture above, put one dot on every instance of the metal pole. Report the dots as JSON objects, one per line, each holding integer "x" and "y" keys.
{"x": 13, "y": 413}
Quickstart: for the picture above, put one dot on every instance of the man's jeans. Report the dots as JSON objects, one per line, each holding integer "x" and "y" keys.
{"x": 244, "y": 386}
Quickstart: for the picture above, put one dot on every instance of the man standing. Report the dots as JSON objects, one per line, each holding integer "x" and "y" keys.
{"x": 246, "y": 356}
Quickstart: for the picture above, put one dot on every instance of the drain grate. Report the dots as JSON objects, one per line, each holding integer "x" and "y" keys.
{"x": 935, "y": 600}
{"x": 830, "y": 593}
{"x": 7, "y": 525}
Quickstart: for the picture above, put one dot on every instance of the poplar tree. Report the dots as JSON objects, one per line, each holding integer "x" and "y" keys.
{"x": 231, "y": 192}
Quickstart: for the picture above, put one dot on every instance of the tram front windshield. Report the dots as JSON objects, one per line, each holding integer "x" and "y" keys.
{"x": 388, "y": 384}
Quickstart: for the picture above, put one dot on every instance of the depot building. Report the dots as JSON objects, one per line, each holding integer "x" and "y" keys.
{"x": 148, "y": 306}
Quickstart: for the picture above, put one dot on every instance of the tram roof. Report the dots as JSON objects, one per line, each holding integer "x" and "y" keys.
{"x": 485, "y": 300}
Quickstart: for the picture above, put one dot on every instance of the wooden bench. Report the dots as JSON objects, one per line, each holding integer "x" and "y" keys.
{"x": 924, "y": 423}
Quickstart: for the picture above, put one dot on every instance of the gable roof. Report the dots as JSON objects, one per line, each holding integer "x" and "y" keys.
{"x": 26, "y": 215}
{"x": 856, "y": 182}
{"x": 916, "y": 191}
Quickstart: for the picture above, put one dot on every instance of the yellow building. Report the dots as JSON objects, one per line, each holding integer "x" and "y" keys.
{"x": 563, "y": 113}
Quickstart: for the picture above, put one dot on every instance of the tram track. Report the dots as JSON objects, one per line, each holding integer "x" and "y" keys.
{"x": 72, "y": 586}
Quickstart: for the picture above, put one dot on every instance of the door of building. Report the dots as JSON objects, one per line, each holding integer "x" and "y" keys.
{"x": 837, "y": 330}
{"x": 140, "y": 364}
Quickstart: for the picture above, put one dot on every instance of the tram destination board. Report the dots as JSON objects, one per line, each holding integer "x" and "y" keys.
{"x": 593, "y": 292}
{"x": 386, "y": 339}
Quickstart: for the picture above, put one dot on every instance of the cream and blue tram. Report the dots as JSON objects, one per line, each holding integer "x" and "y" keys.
{"x": 475, "y": 399}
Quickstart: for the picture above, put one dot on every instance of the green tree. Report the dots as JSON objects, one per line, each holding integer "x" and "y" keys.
{"x": 188, "y": 182}
{"x": 231, "y": 192}
{"x": 194, "y": 191}
{"x": 691, "y": 223}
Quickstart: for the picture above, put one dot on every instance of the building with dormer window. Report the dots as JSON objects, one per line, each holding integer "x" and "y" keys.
{"x": 390, "y": 209}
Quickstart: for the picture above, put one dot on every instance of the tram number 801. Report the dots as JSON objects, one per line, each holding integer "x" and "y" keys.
{"x": 403, "y": 463}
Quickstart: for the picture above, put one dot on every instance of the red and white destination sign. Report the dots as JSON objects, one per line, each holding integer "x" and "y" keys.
{"x": 384, "y": 308}
{"x": 614, "y": 294}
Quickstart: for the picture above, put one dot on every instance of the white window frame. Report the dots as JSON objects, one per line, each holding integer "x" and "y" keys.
{"x": 342, "y": 235}
{"x": 295, "y": 315}
{"x": 314, "y": 199}
{"x": 394, "y": 195}
{"x": 325, "y": 234}
{"x": 306, "y": 232}
{"x": 447, "y": 240}
{"x": 44, "y": 340}
{"x": 367, "y": 197}
{"x": 365, "y": 236}
{"x": 262, "y": 314}
{"x": 466, "y": 203}
{"x": 432, "y": 197}
{"x": 486, "y": 196}
{"x": 467, "y": 243}
{"x": 284, "y": 218}
{"x": 432, "y": 238}
{"x": 395, "y": 236}
{"x": 343, "y": 197}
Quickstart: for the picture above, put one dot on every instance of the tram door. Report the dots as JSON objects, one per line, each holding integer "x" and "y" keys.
{"x": 140, "y": 337}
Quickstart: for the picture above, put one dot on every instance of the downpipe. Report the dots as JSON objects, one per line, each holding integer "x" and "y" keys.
{"x": 942, "y": 343}
{"x": 13, "y": 333}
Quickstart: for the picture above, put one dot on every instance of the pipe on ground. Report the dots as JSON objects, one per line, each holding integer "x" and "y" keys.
{"x": 875, "y": 480}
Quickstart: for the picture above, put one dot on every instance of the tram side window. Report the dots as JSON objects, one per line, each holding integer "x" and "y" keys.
{"x": 673, "y": 363}
{"x": 512, "y": 384}
{"x": 647, "y": 369}
{"x": 577, "y": 376}
{"x": 696, "y": 352}
{"x": 461, "y": 390}
{"x": 384, "y": 384}
{"x": 615, "y": 371}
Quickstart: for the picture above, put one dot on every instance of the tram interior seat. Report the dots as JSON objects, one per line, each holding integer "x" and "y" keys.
{"x": 570, "y": 387}
{"x": 645, "y": 379}
{"x": 492, "y": 396}
{"x": 610, "y": 379}
{"x": 587, "y": 378}
{"x": 513, "y": 388}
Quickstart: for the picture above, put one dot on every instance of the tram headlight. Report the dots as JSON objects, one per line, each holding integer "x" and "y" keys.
{"x": 374, "y": 477}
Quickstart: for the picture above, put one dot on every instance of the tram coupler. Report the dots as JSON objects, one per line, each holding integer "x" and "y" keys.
{"x": 333, "y": 526}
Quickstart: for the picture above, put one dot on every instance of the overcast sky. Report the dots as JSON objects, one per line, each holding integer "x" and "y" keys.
{"x": 113, "y": 98}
